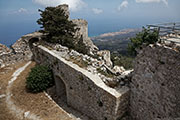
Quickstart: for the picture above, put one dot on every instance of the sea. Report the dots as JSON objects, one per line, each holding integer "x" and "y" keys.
{"x": 11, "y": 32}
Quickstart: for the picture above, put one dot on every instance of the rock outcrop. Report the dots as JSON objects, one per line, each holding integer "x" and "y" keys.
{"x": 106, "y": 56}
{"x": 64, "y": 7}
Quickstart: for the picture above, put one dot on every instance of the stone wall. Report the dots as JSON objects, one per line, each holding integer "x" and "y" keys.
{"x": 85, "y": 91}
{"x": 19, "y": 51}
{"x": 155, "y": 86}
{"x": 83, "y": 34}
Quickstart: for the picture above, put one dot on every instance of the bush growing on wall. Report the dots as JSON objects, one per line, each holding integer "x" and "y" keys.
{"x": 40, "y": 78}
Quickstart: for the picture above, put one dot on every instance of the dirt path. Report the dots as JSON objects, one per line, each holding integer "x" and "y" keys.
{"x": 5, "y": 76}
{"x": 17, "y": 104}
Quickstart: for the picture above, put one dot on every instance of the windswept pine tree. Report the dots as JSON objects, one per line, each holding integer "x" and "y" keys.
{"x": 56, "y": 27}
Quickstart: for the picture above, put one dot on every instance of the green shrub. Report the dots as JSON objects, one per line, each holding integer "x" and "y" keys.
{"x": 146, "y": 37}
{"x": 120, "y": 60}
{"x": 105, "y": 73}
{"x": 56, "y": 26}
{"x": 40, "y": 78}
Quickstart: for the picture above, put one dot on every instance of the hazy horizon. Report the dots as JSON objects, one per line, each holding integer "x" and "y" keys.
{"x": 18, "y": 17}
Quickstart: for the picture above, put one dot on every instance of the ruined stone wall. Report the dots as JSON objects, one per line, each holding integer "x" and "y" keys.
{"x": 155, "y": 86}
{"x": 82, "y": 33}
{"x": 83, "y": 27}
{"x": 19, "y": 51}
{"x": 86, "y": 92}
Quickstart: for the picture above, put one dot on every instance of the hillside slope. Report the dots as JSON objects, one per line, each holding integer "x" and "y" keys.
{"x": 116, "y": 42}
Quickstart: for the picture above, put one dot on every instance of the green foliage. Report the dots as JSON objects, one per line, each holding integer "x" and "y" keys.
{"x": 57, "y": 27}
{"x": 80, "y": 62}
{"x": 120, "y": 60}
{"x": 39, "y": 79}
{"x": 145, "y": 37}
{"x": 105, "y": 73}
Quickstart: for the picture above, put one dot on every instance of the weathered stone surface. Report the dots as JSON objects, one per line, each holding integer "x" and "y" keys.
{"x": 118, "y": 69}
{"x": 85, "y": 91}
{"x": 106, "y": 57}
{"x": 4, "y": 49}
{"x": 64, "y": 7}
{"x": 155, "y": 86}
{"x": 83, "y": 34}
{"x": 19, "y": 51}
{"x": 90, "y": 64}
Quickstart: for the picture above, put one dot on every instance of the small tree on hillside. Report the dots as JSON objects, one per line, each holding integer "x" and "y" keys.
{"x": 57, "y": 27}
{"x": 145, "y": 37}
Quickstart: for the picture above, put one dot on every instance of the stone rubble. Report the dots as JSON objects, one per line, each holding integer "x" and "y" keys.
{"x": 93, "y": 65}
{"x": 105, "y": 54}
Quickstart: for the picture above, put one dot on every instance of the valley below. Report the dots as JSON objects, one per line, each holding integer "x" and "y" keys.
{"x": 116, "y": 42}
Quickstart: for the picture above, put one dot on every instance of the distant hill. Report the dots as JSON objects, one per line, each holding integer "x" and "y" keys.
{"x": 116, "y": 42}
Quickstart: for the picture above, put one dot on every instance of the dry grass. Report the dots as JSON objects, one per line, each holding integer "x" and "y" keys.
{"x": 81, "y": 63}
{"x": 38, "y": 104}
{"x": 5, "y": 76}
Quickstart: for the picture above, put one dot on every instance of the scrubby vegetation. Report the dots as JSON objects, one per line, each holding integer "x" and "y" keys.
{"x": 81, "y": 47}
{"x": 146, "y": 37}
{"x": 80, "y": 62}
{"x": 40, "y": 78}
{"x": 57, "y": 28}
{"x": 105, "y": 73}
{"x": 120, "y": 60}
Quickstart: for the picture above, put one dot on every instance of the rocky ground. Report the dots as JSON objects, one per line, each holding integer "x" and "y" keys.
{"x": 17, "y": 104}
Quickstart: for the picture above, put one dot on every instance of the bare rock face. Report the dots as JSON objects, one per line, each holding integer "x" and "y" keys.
{"x": 106, "y": 57}
{"x": 64, "y": 7}
{"x": 118, "y": 69}
{"x": 155, "y": 86}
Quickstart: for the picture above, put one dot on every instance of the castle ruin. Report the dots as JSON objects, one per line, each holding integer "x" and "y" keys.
{"x": 151, "y": 92}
